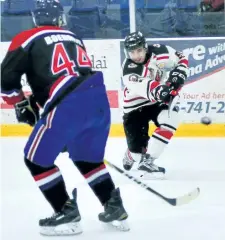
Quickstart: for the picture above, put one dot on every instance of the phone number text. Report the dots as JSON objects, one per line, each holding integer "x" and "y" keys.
{"x": 205, "y": 107}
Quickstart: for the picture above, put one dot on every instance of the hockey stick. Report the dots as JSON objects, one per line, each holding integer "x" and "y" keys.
{"x": 186, "y": 198}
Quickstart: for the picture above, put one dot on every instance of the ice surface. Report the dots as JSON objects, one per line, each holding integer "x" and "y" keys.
{"x": 189, "y": 162}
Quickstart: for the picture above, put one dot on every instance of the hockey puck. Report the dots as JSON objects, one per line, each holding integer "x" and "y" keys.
{"x": 206, "y": 120}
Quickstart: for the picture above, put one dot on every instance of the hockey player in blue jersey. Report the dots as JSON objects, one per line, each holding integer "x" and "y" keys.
{"x": 76, "y": 116}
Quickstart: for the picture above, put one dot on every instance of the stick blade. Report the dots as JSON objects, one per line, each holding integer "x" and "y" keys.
{"x": 187, "y": 198}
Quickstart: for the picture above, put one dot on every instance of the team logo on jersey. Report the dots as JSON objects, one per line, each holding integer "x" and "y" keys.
{"x": 133, "y": 78}
{"x": 132, "y": 65}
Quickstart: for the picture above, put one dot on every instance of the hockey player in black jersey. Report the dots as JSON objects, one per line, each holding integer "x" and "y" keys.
{"x": 147, "y": 91}
{"x": 76, "y": 116}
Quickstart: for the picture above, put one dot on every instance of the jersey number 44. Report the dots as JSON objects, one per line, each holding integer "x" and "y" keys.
{"x": 61, "y": 61}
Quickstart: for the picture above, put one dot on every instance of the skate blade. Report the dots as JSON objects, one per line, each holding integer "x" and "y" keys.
{"x": 152, "y": 176}
{"x": 120, "y": 225}
{"x": 67, "y": 229}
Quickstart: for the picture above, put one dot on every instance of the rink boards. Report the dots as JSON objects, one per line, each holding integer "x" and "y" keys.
{"x": 185, "y": 130}
{"x": 202, "y": 95}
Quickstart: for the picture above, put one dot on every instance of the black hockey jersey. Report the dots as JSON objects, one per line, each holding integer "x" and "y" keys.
{"x": 160, "y": 59}
{"x": 47, "y": 56}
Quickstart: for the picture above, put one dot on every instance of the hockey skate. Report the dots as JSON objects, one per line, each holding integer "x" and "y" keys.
{"x": 65, "y": 222}
{"x": 149, "y": 169}
{"x": 115, "y": 214}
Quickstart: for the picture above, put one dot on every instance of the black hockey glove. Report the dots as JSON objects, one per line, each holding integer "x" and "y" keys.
{"x": 176, "y": 78}
{"x": 27, "y": 111}
{"x": 163, "y": 93}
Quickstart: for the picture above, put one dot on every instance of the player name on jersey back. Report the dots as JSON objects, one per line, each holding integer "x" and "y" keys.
{"x": 60, "y": 38}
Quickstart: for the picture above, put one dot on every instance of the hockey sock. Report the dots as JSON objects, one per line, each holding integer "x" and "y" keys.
{"x": 98, "y": 179}
{"x": 136, "y": 157}
{"x": 160, "y": 138}
{"x": 51, "y": 184}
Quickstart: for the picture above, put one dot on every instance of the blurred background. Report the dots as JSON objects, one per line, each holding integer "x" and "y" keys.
{"x": 113, "y": 19}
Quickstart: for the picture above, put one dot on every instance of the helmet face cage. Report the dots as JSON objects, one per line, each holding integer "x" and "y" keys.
{"x": 133, "y": 41}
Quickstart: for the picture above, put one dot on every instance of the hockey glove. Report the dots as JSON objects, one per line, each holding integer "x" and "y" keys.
{"x": 27, "y": 111}
{"x": 163, "y": 93}
{"x": 176, "y": 78}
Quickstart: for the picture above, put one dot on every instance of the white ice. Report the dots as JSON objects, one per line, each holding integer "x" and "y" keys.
{"x": 189, "y": 162}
